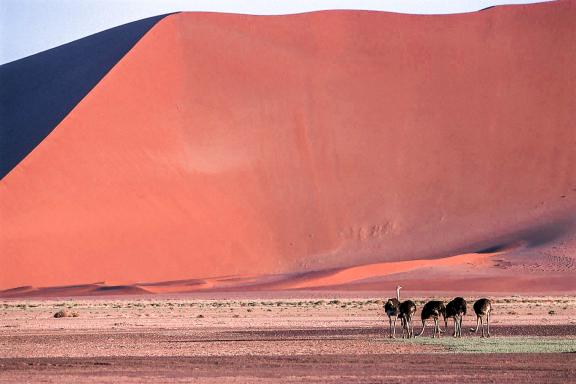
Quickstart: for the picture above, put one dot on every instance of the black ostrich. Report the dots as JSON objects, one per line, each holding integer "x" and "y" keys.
{"x": 433, "y": 309}
{"x": 456, "y": 309}
{"x": 392, "y": 309}
{"x": 407, "y": 311}
{"x": 482, "y": 308}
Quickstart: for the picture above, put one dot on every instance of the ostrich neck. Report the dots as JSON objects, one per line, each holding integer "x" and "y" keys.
{"x": 398, "y": 294}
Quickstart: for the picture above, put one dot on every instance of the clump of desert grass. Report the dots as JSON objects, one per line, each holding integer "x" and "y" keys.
{"x": 66, "y": 313}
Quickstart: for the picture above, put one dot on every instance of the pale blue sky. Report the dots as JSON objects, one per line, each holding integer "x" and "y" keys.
{"x": 31, "y": 26}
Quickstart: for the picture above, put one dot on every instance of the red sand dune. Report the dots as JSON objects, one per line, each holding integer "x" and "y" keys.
{"x": 246, "y": 145}
{"x": 476, "y": 272}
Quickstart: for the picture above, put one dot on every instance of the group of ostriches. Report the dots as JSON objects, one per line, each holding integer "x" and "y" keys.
{"x": 455, "y": 309}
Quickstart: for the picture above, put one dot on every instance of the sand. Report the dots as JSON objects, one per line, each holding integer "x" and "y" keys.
{"x": 237, "y": 145}
{"x": 488, "y": 272}
{"x": 275, "y": 338}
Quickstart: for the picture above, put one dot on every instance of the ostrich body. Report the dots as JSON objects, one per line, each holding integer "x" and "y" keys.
{"x": 433, "y": 310}
{"x": 407, "y": 311}
{"x": 455, "y": 309}
{"x": 392, "y": 309}
{"x": 482, "y": 308}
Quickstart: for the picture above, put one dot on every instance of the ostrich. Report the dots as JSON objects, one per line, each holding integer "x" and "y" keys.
{"x": 407, "y": 310}
{"x": 482, "y": 308}
{"x": 455, "y": 309}
{"x": 392, "y": 309}
{"x": 433, "y": 309}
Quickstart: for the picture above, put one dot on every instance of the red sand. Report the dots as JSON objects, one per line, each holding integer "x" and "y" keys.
{"x": 243, "y": 145}
{"x": 277, "y": 340}
{"x": 473, "y": 273}
{"x": 440, "y": 369}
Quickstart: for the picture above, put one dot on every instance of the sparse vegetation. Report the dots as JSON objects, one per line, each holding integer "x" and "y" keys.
{"x": 502, "y": 344}
{"x": 66, "y": 313}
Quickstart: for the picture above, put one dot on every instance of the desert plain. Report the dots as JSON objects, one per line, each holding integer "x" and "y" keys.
{"x": 279, "y": 337}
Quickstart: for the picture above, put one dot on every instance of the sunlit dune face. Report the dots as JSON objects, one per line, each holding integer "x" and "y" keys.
{"x": 234, "y": 145}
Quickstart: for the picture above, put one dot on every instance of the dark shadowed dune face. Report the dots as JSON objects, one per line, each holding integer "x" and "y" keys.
{"x": 234, "y": 145}
{"x": 540, "y": 234}
{"x": 39, "y": 91}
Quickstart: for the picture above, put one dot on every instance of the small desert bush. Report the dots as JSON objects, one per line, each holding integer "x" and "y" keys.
{"x": 66, "y": 313}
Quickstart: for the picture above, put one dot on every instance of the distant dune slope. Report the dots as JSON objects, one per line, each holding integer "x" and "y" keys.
{"x": 247, "y": 145}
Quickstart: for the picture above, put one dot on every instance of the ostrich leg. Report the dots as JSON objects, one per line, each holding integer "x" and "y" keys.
{"x": 423, "y": 328}
{"x": 440, "y": 330}
{"x": 488, "y": 323}
{"x": 456, "y": 326}
{"x": 394, "y": 328}
{"x": 459, "y": 326}
{"x": 482, "y": 325}
{"x": 477, "y": 325}
{"x": 407, "y": 325}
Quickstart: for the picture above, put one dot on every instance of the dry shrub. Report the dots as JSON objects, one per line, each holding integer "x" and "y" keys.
{"x": 66, "y": 313}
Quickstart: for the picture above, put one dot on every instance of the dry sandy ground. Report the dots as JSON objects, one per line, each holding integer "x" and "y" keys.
{"x": 255, "y": 338}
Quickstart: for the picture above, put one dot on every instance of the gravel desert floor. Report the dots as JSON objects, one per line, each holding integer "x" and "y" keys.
{"x": 317, "y": 338}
